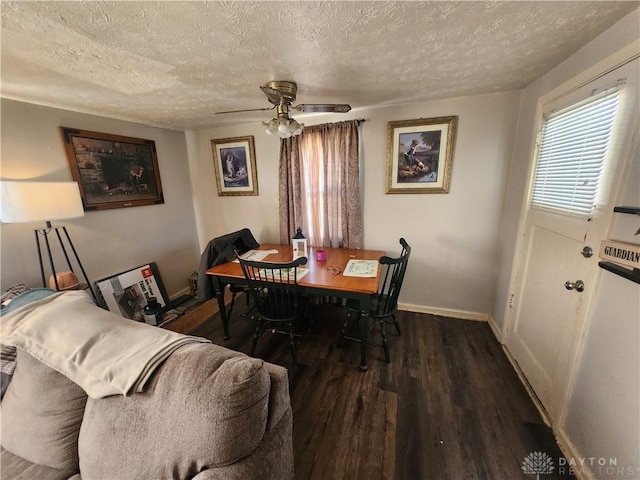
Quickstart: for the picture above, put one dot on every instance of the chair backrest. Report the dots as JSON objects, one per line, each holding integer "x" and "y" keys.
{"x": 225, "y": 246}
{"x": 274, "y": 288}
{"x": 221, "y": 250}
{"x": 391, "y": 281}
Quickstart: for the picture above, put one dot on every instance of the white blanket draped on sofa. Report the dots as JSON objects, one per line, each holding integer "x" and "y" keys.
{"x": 102, "y": 352}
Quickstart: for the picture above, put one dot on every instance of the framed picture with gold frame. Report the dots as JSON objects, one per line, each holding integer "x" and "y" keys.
{"x": 420, "y": 155}
{"x": 234, "y": 161}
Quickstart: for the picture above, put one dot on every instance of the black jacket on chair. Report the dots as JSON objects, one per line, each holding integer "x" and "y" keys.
{"x": 221, "y": 250}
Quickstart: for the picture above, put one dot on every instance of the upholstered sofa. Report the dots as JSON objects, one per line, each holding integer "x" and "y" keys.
{"x": 205, "y": 413}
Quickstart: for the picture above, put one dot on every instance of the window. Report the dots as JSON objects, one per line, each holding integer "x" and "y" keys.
{"x": 319, "y": 177}
{"x": 571, "y": 155}
{"x": 319, "y": 185}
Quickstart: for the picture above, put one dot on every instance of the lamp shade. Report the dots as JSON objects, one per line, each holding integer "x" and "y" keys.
{"x": 35, "y": 201}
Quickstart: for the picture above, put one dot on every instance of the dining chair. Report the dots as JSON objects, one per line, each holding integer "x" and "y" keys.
{"x": 276, "y": 295}
{"x": 220, "y": 250}
{"x": 384, "y": 303}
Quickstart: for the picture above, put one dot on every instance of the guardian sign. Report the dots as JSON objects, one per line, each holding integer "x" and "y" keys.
{"x": 625, "y": 254}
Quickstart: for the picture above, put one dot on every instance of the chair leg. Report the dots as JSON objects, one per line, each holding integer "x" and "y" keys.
{"x": 293, "y": 344}
{"x": 309, "y": 320}
{"x": 343, "y": 330}
{"x": 385, "y": 340}
{"x": 259, "y": 331}
{"x": 397, "y": 325}
{"x": 233, "y": 302}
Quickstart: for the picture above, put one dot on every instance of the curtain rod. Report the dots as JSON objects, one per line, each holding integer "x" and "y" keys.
{"x": 359, "y": 122}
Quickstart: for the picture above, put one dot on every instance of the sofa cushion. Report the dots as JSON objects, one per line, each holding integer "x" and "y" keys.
{"x": 205, "y": 407}
{"x": 12, "y": 299}
{"x": 41, "y": 415}
{"x": 17, "y": 468}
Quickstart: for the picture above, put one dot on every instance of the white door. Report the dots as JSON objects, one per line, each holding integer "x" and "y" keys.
{"x": 555, "y": 281}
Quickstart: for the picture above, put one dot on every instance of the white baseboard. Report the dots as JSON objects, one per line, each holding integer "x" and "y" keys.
{"x": 495, "y": 328}
{"x": 527, "y": 386}
{"x": 569, "y": 451}
{"x": 444, "y": 312}
{"x": 461, "y": 314}
{"x": 184, "y": 291}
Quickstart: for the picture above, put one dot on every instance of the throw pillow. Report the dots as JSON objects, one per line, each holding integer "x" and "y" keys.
{"x": 41, "y": 415}
{"x": 7, "y": 366}
{"x": 13, "y": 298}
{"x": 12, "y": 292}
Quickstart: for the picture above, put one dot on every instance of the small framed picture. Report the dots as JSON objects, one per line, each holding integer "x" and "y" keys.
{"x": 420, "y": 155}
{"x": 234, "y": 162}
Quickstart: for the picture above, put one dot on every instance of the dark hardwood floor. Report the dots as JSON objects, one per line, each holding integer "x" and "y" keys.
{"x": 449, "y": 406}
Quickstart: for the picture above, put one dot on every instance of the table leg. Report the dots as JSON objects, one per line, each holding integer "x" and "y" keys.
{"x": 219, "y": 289}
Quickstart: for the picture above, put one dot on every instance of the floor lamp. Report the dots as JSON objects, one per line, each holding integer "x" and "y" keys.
{"x": 37, "y": 201}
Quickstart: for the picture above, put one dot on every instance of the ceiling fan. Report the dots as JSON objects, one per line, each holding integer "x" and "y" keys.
{"x": 282, "y": 94}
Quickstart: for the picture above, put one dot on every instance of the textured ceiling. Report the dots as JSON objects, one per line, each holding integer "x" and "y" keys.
{"x": 173, "y": 64}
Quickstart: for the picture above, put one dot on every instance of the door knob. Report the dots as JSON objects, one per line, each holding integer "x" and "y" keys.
{"x": 578, "y": 286}
{"x": 587, "y": 252}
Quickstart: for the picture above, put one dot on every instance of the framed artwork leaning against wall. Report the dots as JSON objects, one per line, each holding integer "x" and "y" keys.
{"x": 420, "y": 155}
{"x": 234, "y": 161}
{"x": 113, "y": 171}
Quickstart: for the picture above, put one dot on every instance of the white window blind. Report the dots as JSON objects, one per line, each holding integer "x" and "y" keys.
{"x": 571, "y": 155}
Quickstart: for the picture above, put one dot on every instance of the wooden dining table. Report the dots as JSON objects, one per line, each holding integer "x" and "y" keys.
{"x": 323, "y": 278}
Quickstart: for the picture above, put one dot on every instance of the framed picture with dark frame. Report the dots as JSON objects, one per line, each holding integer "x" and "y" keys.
{"x": 420, "y": 155}
{"x": 234, "y": 161}
{"x": 113, "y": 171}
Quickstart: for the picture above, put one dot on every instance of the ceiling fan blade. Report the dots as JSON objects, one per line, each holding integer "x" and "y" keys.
{"x": 248, "y": 110}
{"x": 322, "y": 107}
{"x": 272, "y": 94}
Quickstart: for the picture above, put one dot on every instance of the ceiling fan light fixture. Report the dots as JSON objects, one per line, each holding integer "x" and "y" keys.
{"x": 283, "y": 127}
{"x": 282, "y": 94}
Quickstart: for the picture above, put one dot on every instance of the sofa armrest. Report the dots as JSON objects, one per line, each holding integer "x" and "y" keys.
{"x": 207, "y": 405}
{"x": 279, "y": 399}
{"x": 272, "y": 460}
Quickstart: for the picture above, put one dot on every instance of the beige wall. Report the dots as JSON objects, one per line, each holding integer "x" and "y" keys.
{"x": 107, "y": 241}
{"x": 453, "y": 235}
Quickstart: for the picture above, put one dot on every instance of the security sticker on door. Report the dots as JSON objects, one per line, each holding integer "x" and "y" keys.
{"x": 626, "y": 254}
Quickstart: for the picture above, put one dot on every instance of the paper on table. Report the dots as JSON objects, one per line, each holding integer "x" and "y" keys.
{"x": 267, "y": 274}
{"x": 361, "y": 268}
{"x": 256, "y": 255}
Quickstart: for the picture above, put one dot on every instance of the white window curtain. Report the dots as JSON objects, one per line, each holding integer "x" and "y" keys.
{"x": 571, "y": 155}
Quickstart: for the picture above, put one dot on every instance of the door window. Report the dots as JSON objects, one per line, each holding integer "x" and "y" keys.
{"x": 572, "y": 152}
